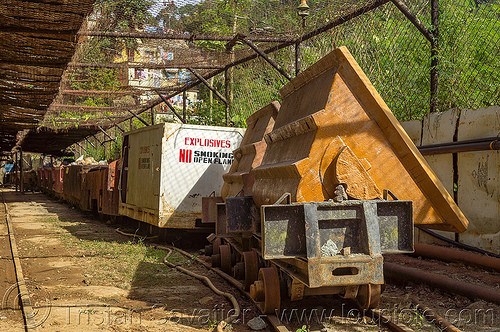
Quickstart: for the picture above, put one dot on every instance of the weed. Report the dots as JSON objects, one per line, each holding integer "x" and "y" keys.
{"x": 120, "y": 264}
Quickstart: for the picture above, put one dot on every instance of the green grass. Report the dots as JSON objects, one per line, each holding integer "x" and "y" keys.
{"x": 110, "y": 262}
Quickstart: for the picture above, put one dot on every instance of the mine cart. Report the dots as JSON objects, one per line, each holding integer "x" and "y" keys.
{"x": 168, "y": 168}
{"x": 335, "y": 185}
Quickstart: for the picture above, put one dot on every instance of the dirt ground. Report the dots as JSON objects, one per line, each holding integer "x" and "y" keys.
{"x": 466, "y": 314}
{"x": 84, "y": 276}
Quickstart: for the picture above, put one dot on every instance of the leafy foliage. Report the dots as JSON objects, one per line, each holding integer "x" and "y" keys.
{"x": 393, "y": 54}
{"x": 389, "y": 49}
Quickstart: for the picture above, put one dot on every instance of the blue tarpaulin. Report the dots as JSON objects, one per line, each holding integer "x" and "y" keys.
{"x": 8, "y": 168}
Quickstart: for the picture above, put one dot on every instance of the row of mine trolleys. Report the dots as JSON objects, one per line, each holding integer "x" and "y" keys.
{"x": 319, "y": 188}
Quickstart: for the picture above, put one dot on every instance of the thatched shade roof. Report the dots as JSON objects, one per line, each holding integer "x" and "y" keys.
{"x": 54, "y": 142}
{"x": 37, "y": 40}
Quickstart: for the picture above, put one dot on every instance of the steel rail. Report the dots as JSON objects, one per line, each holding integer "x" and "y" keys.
{"x": 25, "y": 303}
{"x": 273, "y": 319}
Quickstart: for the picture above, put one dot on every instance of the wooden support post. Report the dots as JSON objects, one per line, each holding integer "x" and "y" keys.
{"x": 184, "y": 106}
{"x": 103, "y": 145}
{"x": 228, "y": 92}
{"x": 152, "y": 116}
{"x": 131, "y": 123}
{"x": 21, "y": 171}
{"x": 15, "y": 170}
{"x": 266, "y": 57}
{"x": 297, "y": 58}
{"x": 434, "y": 55}
{"x": 117, "y": 147}
{"x": 211, "y": 95}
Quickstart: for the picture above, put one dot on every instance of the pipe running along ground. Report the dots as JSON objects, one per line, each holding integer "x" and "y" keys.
{"x": 136, "y": 236}
{"x": 207, "y": 281}
{"x": 458, "y": 244}
{"x": 278, "y": 326}
{"x": 453, "y": 255}
{"x": 275, "y": 323}
{"x": 399, "y": 272}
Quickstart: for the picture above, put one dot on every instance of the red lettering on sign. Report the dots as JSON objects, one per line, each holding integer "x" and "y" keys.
{"x": 208, "y": 142}
{"x": 185, "y": 156}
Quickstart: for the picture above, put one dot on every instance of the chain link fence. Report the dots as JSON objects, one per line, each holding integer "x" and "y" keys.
{"x": 396, "y": 57}
{"x": 130, "y": 51}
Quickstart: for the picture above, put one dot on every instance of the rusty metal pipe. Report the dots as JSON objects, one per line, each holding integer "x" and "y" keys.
{"x": 460, "y": 147}
{"x": 475, "y": 140}
{"x": 452, "y": 255}
{"x": 399, "y": 272}
{"x": 457, "y": 244}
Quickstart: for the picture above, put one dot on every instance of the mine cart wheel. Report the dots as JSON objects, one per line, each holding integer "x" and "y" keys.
{"x": 217, "y": 242}
{"x": 251, "y": 261}
{"x": 209, "y": 250}
{"x": 239, "y": 271}
{"x": 271, "y": 283}
{"x": 225, "y": 258}
{"x": 215, "y": 259}
{"x": 369, "y": 296}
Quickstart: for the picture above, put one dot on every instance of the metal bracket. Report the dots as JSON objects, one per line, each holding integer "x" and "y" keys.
{"x": 388, "y": 193}
{"x": 286, "y": 196}
{"x": 266, "y": 57}
{"x": 171, "y": 107}
{"x": 207, "y": 84}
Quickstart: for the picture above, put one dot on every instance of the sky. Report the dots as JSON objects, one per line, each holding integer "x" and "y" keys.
{"x": 159, "y": 5}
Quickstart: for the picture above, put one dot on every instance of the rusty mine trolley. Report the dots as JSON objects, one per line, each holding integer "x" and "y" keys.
{"x": 321, "y": 187}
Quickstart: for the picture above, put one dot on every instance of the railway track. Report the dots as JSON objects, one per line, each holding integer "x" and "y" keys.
{"x": 16, "y": 305}
{"x": 273, "y": 320}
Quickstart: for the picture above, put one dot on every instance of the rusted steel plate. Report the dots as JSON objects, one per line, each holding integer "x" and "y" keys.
{"x": 221, "y": 221}
{"x": 242, "y": 215}
{"x": 342, "y": 242}
{"x": 108, "y": 203}
{"x": 396, "y": 227}
{"x": 72, "y": 181}
{"x": 209, "y": 208}
{"x": 250, "y": 152}
{"x": 286, "y": 228}
{"x": 56, "y": 179}
{"x": 91, "y": 188}
{"x": 80, "y": 187}
{"x": 331, "y": 107}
